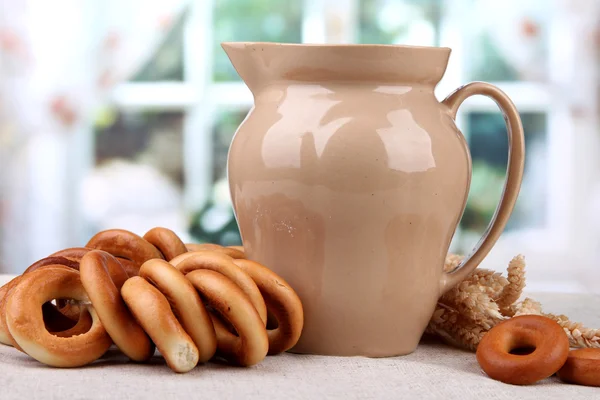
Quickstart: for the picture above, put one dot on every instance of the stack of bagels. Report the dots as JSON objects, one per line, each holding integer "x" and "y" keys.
{"x": 192, "y": 302}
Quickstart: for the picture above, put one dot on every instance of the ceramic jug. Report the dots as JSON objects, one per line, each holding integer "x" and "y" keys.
{"x": 348, "y": 178}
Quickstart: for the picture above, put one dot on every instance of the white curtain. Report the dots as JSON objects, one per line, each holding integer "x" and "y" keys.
{"x": 58, "y": 61}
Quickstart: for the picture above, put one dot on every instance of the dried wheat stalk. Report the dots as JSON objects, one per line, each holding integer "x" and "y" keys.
{"x": 465, "y": 313}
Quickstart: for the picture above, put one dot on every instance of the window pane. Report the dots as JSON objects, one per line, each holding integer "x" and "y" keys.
{"x": 507, "y": 43}
{"x": 489, "y": 151}
{"x": 253, "y": 20}
{"x": 166, "y": 64}
{"x": 138, "y": 179}
{"x": 215, "y": 223}
{"x": 413, "y": 22}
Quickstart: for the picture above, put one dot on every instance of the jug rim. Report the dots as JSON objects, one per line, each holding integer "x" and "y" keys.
{"x": 337, "y": 45}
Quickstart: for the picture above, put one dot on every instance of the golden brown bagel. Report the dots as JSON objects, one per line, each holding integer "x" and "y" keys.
{"x": 230, "y": 251}
{"x": 166, "y": 241}
{"x": 186, "y": 304}
{"x": 251, "y": 344}
{"x": 102, "y": 277}
{"x": 282, "y": 302}
{"x": 63, "y": 321}
{"x": 547, "y": 339}
{"x": 125, "y": 244}
{"x": 26, "y": 324}
{"x": 153, "y": 312}
{"x": 582, "y": 367}
{"x": 224, "y": 265}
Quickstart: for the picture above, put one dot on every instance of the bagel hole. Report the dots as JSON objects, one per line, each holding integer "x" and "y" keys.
{"x": 272, "y": 322}
{"x": 54, "y": 319}
{"x": 522, "y": 350}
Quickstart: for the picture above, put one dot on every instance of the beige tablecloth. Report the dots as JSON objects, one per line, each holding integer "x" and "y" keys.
{"x": 433, "y": 371}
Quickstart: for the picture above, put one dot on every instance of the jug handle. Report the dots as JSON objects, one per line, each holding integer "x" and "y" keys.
{"x": 514, "y": 175}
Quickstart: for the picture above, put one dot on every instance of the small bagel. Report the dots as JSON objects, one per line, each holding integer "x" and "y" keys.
{"x": 224, "y": 265}
{"x": 185, "y": 303}
{"x": 230, "y": 251}
{"x": 166, "y": 241}
{"x": 64, "y": 322}
{"x": 251, "y": 344}
{"x": 582, "y": 367}
{"x": 26, "y": 324}
{"x": 153, "y": 312}
{"x": 547, "y": 339}
{"x": 102, "y": 277}
{"x": 282, "y": 302}
{"x": 125, "y": 244}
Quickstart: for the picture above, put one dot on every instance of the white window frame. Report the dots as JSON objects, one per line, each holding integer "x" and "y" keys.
{"x": 336, "y": 21}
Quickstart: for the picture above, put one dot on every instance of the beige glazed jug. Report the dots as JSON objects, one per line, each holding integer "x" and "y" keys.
{"x": 348, "y": 178}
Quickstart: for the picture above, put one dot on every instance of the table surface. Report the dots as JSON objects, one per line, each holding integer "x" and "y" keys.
{"x": 433, "y": 371}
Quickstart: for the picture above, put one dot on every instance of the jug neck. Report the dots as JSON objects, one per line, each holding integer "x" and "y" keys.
{"x": 261, "y": 64}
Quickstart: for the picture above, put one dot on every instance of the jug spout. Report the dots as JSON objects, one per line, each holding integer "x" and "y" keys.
{"x": 246, "y": 63}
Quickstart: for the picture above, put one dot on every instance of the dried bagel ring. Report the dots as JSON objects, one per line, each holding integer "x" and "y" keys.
{"x": 166, "y": 241}
{"x": 60, "y": 322}
{"x": 185, "y": 303}
{"x": 547, "y": 339}
{"x": 282, "y": 302}
{"x": 67, "y": 320}
{"x": 26, "y": 325}
{"x": 153, "y": 312}
{"x": 582, "y": 367}
{"x": 251, "y": 344}
{"x": 224, "y": 265}
{"x": 125, "y": 244}
{"x": 230, "y": 251}
{"x": 102, "y": 277}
